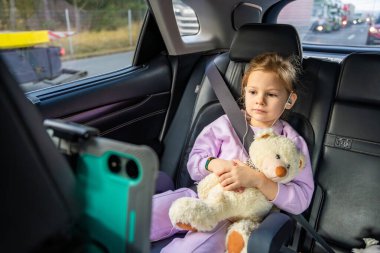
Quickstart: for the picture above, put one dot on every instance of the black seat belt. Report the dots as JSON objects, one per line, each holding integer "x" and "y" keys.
{"x": 229, "y": 105}
{"x": 238, "y": 122}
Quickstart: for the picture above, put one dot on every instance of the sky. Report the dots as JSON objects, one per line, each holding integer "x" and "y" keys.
{"x": 365, "y": 5}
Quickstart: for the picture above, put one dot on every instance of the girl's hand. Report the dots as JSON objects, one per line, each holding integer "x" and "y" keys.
{"x": 220, "y": 166}
{"x": 241, "y": 176}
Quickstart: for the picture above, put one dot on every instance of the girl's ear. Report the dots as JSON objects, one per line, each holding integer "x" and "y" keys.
{"x": 292, "y": 100}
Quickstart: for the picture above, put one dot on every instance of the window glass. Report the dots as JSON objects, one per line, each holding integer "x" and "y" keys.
{"x": 186, "y": 18}
{"x": 48, "y": 43}
{"x": 335, "y": 22}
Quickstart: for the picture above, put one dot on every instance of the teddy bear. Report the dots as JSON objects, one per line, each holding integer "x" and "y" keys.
{"x": 274, "y": 155}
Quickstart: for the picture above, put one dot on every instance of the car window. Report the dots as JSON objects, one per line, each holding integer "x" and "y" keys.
{"x": 186, "y": 18}
{"x": 334, "y": 22}
{"x": 50, "y": 43}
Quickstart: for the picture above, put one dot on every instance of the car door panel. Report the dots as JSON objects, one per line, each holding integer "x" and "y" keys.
{"x": 130, "y": 107}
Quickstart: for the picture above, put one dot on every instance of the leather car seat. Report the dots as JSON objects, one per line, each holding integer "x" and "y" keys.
{"x": 347, "y": 208}
{"x": 249, "y": 41}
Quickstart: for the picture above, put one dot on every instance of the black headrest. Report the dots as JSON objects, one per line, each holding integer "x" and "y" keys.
{"x": 360, "y": 78}
{"x": 254, "y": 39}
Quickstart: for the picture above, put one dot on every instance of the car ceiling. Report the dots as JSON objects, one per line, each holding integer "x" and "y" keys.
{"x": 216, "y": 31}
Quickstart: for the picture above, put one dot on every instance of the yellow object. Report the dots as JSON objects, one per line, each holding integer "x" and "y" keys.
{"x": 23, "y": 39}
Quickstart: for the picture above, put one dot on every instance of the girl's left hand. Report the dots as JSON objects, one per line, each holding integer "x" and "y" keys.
{"x": 240, "y": 177}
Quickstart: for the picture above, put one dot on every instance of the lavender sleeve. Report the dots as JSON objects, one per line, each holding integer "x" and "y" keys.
{"x": 295, "y": 196}
{"x": 218, "y": 139}
{"x": 206, "y": 145}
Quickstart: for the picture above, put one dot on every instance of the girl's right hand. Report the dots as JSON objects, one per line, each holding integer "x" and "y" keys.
{"x": 221, "y": 166}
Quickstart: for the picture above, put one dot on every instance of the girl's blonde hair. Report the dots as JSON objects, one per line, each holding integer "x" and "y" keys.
{"x": 287, "y": 69}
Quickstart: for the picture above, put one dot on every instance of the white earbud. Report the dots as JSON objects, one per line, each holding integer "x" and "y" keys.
{"x": 289, "y": 101}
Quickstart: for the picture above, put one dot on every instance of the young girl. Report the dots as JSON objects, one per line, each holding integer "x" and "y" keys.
{"x": 267, "y": 90}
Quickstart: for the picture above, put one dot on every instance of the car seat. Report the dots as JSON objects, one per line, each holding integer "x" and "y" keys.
{"x": 250, "y": 40}
{"x": 346, "y": 207}
{"x": 38, "y": 208}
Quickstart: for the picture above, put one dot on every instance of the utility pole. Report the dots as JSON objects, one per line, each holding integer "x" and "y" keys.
{"x": 12, "y": 14}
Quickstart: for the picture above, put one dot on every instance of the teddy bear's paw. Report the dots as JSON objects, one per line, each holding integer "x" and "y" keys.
{"x": 235, "y": 242}
{"x": 187, "y": 227}
{"x": 238, "y": 235}
{"x": 194, "y": 213}
{"x": 179, "y": 210}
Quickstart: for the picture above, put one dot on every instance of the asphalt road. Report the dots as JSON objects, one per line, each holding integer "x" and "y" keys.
{"x": 353, "y": 35}
{"x": 101, "y": 64}
{"x": 94, "y": 66}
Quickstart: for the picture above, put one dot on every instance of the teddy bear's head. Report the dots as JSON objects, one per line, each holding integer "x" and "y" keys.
{"x": 276, "y": 156}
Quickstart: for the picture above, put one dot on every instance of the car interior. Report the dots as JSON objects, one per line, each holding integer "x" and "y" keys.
{"x": 165, "y": 99}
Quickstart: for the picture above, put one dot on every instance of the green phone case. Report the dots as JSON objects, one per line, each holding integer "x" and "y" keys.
{"x": 117, "y": 203}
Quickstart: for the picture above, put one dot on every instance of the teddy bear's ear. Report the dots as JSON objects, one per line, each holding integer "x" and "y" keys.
{"x": 302, "y": 162}
{"x": 264, "y": 134}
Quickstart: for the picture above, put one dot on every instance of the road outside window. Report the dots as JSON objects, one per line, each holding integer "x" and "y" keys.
{"x": 335, "y": 22}
{"x": 49, "y": 43}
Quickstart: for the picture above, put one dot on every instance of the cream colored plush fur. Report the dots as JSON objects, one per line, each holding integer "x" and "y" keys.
{"x": 371, "y": 246}
{"x": 268, "y": 152}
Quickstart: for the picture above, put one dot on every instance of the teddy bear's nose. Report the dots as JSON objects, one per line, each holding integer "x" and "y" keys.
{"x": 280, "y": 171}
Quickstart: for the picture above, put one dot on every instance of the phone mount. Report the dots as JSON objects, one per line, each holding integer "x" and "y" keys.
{"x": 115, "y": 184}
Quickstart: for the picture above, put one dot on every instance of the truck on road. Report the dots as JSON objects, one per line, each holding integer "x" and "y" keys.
{"x": 31, "y": 59}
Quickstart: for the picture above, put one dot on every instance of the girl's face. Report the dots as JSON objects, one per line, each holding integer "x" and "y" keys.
{"x": 265, "y": 98}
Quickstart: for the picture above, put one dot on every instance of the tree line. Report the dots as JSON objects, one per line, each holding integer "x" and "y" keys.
{"x": 18, "y": 15}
